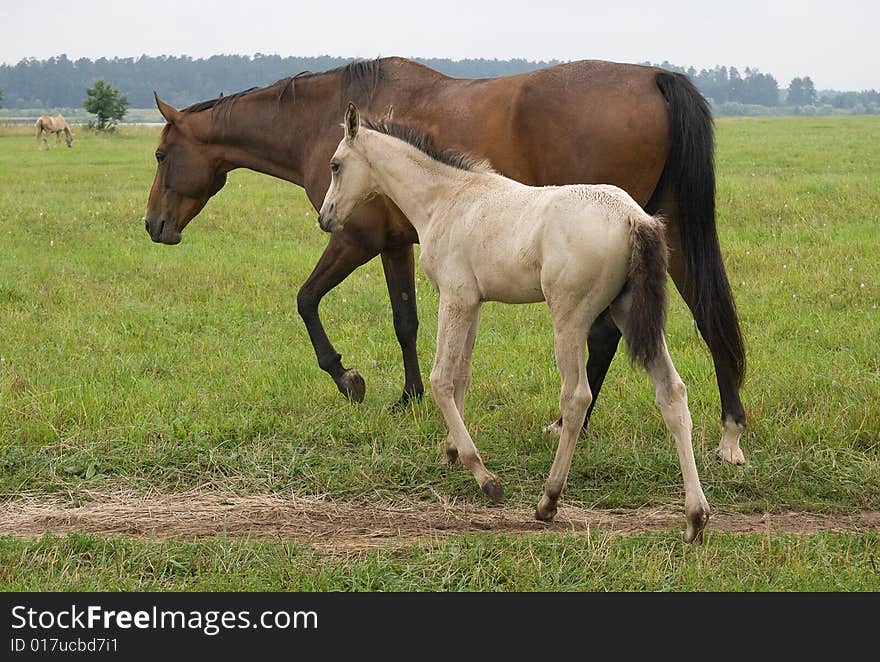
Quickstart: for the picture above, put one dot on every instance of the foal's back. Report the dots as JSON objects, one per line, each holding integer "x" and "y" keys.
{"x": 519, "y": 241}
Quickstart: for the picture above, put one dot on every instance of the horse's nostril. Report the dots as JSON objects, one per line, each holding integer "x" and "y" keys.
{"x": 146, "y": 225}
{"x": 162, "y": 227}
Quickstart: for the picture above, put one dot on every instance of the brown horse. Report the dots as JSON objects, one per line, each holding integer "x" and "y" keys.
{"x": 56, "y": 124}
{"x": 643, "y": 129}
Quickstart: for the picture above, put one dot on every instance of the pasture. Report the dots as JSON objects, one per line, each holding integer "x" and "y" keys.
{"x": 132, "y": 372}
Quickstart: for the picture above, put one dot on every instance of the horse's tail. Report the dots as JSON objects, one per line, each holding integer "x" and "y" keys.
{"x": 38, "y": 126}
{"x": 689, "y": 176}
{"x": 646, "y": 287}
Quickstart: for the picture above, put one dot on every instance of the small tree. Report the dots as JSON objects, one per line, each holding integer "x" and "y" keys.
{"x": 1, "y": 98}
{"x": 105, "y": 101}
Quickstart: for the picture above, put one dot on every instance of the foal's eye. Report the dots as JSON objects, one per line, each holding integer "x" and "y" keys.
{"x": 334, "y": 167}
{"x": 160, "y": 156}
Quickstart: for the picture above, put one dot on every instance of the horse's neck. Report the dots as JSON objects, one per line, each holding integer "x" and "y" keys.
{"x": 418, "y": 184}
{"x": 272, "y": 136}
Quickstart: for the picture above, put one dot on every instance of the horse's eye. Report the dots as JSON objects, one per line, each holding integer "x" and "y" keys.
{"x": 334, "y": 167}
{"x": 160, "y": 156}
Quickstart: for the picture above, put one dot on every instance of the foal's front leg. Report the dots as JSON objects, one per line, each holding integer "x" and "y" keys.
{"x": 457, "y": 317}
{"x": 462, "y": 379}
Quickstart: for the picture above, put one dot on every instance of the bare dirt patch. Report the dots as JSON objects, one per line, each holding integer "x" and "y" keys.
{"x": 328, "y": 524}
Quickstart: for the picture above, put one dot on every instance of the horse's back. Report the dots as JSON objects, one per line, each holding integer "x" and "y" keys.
{"x": 589, "y": 121}
{"x": 52, "y": 122}
{"x": 593, "y": 122}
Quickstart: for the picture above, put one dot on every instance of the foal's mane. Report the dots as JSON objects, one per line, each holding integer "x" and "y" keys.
{"x": 423, "y": 142}
{"x": 358, "y": 80}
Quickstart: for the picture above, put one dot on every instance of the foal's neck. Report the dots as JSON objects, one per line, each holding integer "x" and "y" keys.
{"x": 418, "y": 184}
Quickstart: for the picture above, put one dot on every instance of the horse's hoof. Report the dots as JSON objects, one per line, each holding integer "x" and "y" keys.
{"x": 696, "y": 524}
{"x": 352, "y": 386}
{"x": 452, "y": 458}
{"x": 732, "y": 455}
{"x": 401, "y": 405}
{"x": 492, "y": 489}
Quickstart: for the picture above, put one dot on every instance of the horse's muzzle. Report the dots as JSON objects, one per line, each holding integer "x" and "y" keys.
{"x": 161, "y": 231}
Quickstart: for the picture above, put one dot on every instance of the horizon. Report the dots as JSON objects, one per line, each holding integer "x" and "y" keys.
{"x": 741, "y": 69}
{"x": 780, "y": 38}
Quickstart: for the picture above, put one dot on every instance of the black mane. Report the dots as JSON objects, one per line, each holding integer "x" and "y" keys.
{"x": 358, "y": 82}
{"x": 423, "y": 142}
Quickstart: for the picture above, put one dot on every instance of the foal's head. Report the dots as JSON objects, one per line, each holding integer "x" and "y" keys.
{"x": 351, "y": 178}
{"x": 188, "y": 173}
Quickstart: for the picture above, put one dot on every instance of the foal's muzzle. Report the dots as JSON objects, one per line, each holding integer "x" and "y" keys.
{"x": 327, "y": 219}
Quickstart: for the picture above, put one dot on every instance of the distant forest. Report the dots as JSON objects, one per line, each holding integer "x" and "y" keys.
{"x": 61, "y": 83}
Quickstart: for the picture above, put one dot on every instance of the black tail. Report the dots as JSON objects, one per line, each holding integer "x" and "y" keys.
{"x": 689, "y": 175}
{"x": 646, "y": 285}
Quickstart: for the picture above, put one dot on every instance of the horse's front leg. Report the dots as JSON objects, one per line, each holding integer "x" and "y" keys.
{"x": 399, "y": 270}
{"x": 454, "y": 323}
{"x": 343, "y": 255}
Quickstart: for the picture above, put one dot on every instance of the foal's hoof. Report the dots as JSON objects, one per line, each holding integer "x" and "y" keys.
{"x": 352, "y": 385}
{"x": 492, "y": 489}
{"x": 554, "y": 428}
{"x": 696, "y": 521}
{"x": 546, "y": 510}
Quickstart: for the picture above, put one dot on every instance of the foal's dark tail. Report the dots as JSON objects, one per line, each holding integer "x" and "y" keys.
{"x": 646, "y": 285}
{"x": 689, "y": 179}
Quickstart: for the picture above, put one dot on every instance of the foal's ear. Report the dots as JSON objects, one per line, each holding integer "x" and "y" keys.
{"x": 169, "y": 112}
{"x": 352, "y": 121}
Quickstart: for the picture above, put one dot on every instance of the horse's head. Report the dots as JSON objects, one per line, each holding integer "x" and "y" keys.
{"x": 351, "y": 178}
{"x": 68, "y": 136}
{"x": 189, "y": 171}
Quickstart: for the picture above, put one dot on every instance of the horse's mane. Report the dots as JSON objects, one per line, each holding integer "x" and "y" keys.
{"x": 358, "y": 82}
{"x": 423, "y": 142}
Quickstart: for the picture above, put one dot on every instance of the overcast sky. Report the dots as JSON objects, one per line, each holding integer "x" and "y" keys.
{"x": 834, "y": 42}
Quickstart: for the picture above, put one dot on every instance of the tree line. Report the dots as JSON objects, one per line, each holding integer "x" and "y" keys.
{"x": 59, "y": 82}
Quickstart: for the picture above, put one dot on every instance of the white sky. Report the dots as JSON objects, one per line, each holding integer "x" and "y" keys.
{"x": 834, "y": 42}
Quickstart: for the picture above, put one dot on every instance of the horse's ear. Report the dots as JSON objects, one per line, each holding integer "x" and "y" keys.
{"x": 169, "y": 112}
{"x": 352, "y": 121}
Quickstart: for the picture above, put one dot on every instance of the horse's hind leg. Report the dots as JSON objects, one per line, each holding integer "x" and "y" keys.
{"x": 671, "y": 398}
{"x": 455, "y": 320}
{"x": 570, "y": 329}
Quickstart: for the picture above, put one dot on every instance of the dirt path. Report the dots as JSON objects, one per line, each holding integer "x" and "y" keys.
{"x": 324, "y": 523}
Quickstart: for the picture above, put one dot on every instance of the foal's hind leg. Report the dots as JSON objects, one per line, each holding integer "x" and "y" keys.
{"x": 454, "y": 323}
{"x": 671, "y": 398}
{"x": 602, "y": 341}
{"x": 570, "y": 329}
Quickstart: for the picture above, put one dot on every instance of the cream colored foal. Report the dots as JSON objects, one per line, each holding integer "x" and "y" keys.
{"x": 484, "y": 237}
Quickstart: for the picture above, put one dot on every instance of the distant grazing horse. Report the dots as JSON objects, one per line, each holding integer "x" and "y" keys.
{"x": 581, "y": 248}
{"x": 643, "y": 129}
{"x": 53, "y": 124}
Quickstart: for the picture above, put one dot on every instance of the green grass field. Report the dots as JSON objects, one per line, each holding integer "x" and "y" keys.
{"x": 124, "y": 363}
